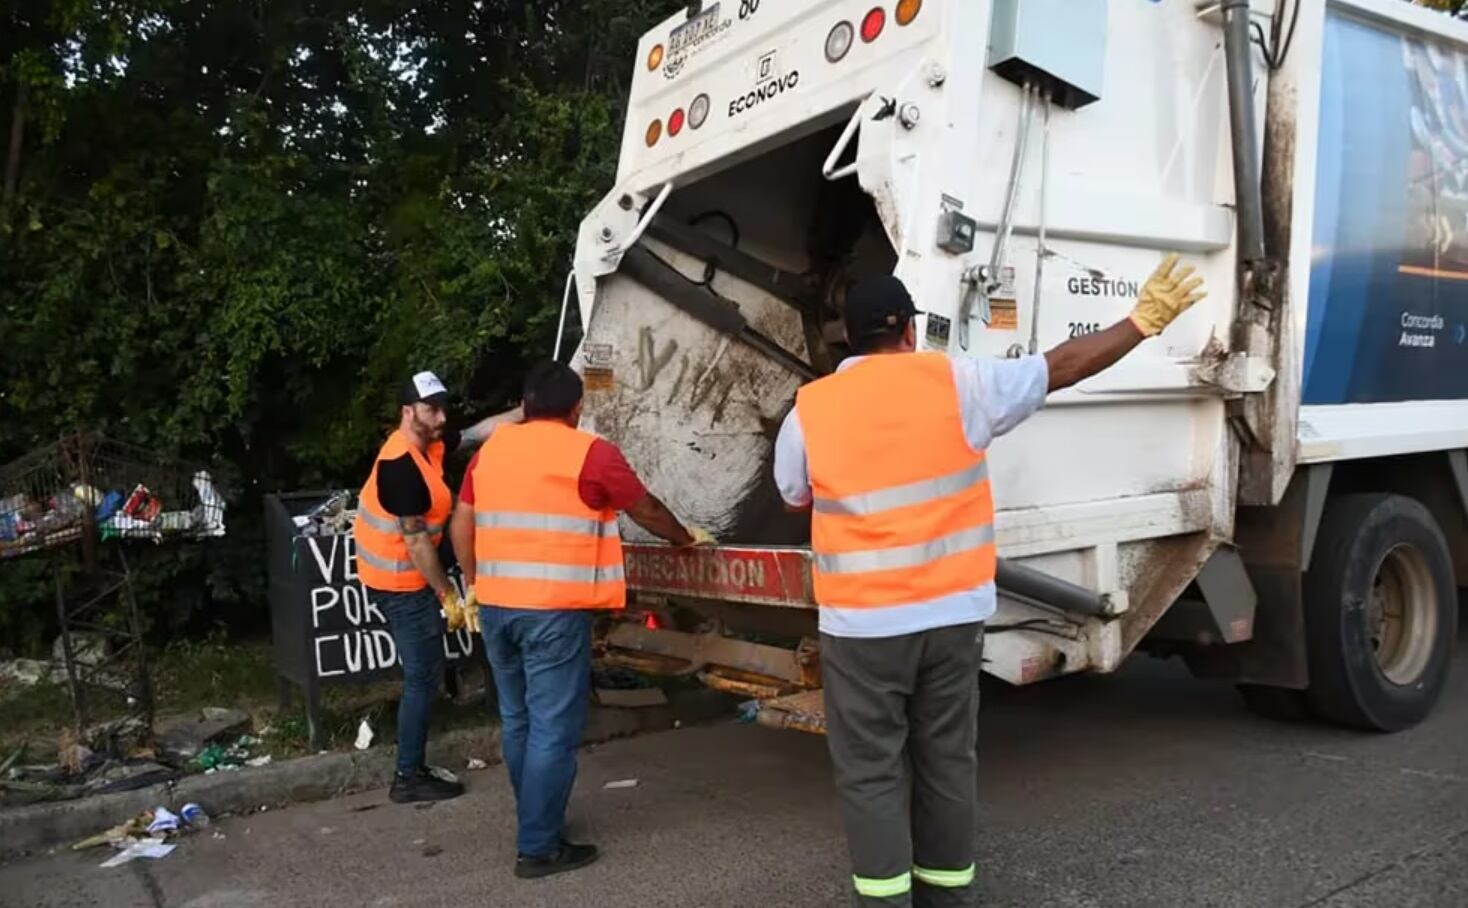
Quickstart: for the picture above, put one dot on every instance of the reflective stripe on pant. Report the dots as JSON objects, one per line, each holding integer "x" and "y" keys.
{"x": 892, "y": 701}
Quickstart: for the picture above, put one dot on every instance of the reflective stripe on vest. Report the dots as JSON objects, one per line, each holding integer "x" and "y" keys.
{"x": 565, "y": 573}
{"x": 390, "y": 525}
{"x": 383, "y": 562}
{"x": 906, "y": 556}
{"x": 550, "y": 523}
{"x": 920, "y": 492}
{"x": 536, "y": 543}
{"x": 902, "y": 511}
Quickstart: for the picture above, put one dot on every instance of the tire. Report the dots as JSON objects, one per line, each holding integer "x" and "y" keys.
{"x": 1281, "y": 704}
{"x": 1381, "y": 613}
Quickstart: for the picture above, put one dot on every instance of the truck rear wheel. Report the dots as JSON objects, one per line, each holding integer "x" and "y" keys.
{"x": 1380, "y": 613}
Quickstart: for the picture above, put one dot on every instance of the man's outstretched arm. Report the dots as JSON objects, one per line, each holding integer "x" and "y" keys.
{"x": 1168, "y": 293}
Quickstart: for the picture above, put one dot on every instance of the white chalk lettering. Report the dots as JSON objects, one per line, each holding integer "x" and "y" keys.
{"x": 326, "y": 566}
{"x": 373, "y": 613}
{"x": 351, "y": 565}
{"x": 352, "y": 604}
{"x": 323, "y": 600}
{"x": 321, "y": 671}
{"x": 386, "y": 647}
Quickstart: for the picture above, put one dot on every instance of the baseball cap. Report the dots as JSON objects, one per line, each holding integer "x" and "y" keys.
{"x": 425, "y": 387}
{"x": 876, "y": 305}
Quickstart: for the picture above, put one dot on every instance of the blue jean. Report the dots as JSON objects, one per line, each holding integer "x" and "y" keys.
{"x": 542, "y": 667}
{"x": 417, "y": 631}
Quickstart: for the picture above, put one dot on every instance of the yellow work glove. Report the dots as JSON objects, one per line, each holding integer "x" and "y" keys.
{"x": 701, "y": 537}
{"x": 471, "y": 613}
{"x": 1167, "y": 294}
{"x": 453, "y": 609}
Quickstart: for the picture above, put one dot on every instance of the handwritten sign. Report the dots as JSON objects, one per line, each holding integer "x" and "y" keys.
{"x": 349, "y": 632}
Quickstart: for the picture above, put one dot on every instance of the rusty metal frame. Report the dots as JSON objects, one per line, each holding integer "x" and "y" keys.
{"x": 798, "y": 668}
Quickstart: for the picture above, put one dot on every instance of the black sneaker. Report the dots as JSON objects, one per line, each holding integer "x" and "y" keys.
{"x": 570, "y": 857}
{"x": 422, "y": 786}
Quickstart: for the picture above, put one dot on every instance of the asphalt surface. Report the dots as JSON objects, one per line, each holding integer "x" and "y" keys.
{"x": 1145, "y": 788}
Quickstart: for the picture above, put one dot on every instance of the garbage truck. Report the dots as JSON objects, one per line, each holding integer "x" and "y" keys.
{"x": 1275, "y": 490}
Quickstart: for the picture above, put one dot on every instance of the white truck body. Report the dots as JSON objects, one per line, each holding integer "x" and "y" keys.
{"x": 1128, "y": 484}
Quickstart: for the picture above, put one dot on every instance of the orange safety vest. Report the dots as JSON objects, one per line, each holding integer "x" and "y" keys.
{"x": 536, "y": 543}
{"x": 383, "y": 562}
{"x": 903, "y": 512}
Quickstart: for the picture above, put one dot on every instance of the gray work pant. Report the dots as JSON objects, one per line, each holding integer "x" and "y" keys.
{"x": 902, "y": 726}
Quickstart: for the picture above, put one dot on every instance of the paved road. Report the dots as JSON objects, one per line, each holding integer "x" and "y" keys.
{"x": 1145, "y": 789}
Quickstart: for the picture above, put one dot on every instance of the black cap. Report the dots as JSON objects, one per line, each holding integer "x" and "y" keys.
{"x": 425, "y": 388}
{"x": 877, "y": 305}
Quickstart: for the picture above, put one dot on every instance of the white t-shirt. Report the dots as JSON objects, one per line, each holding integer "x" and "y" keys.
{"x": 994, "y": 396}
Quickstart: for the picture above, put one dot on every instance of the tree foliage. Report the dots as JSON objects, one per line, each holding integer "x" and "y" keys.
{"x": 230, "y": 228}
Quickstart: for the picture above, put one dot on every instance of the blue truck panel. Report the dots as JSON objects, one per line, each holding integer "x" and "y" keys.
{"x": 1388, "y": 305}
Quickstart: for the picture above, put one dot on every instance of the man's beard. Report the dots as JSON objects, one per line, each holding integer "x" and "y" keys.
{"x": 425, "y": 431}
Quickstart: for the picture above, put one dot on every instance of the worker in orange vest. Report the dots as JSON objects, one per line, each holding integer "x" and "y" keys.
{"x": 889, "y": 454}
{"x": 539, "y": 544}
{"x": 402, "y": 513}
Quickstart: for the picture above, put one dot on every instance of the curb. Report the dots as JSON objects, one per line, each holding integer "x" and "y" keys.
{"x": 26, "y": 830}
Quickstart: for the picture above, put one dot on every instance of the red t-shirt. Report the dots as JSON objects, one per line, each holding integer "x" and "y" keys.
{"x": 607, "y": 481}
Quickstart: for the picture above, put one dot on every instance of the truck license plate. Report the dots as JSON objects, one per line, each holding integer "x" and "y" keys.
{"x": 694, "y": 31}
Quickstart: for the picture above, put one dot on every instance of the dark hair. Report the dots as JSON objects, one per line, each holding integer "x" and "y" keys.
{"x": 552, "y": 390}
{"x": 880, "y": 340}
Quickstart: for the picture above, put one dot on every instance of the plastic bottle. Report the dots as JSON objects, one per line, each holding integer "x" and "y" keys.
{"x": 195, "y": 816}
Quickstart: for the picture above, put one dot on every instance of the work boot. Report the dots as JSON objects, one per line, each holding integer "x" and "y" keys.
{"x": 570, "y": 857}
{"x": 422, "y": 785}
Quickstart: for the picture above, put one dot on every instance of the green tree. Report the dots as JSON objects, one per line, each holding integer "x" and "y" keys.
{"x": 228, "y": 228}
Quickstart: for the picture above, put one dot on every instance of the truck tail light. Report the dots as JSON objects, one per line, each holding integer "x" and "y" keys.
{"x": 655, "y": 57}
{"x": 654, "y": 132}
{"x": 698, "y": 111}
{"x": 675, "y": 122}
{"x": 839, "y": 41}
{"x": 872, "y": 24}
{"x": 907, "y": 11}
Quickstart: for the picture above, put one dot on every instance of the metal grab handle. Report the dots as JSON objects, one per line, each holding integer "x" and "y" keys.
{"x": 642, "y": 225}
{"x": 828, "y": 169}
{"x": 565, "y": 307}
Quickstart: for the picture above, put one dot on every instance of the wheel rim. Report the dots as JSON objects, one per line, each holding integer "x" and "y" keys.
{"x": 1401, "y": 617}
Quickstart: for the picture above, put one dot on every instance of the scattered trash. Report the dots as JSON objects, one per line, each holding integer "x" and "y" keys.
{"x": 164, "y": 821}
{"x": 31, "y": 672}
{"x": 194, "y": 815}
{"x": 475, "y": 764}
{"x": 86, "y": 649}
{"x": 328, "y": 830}
{"x": 432, "y": 851}
{"x": 633, "y": 698}
{"x": 443, "y": 775}
{"x": 218, "y": 835}
{"x": 420, "y": 841}
{"x": 75, "y": 758}
{"x": 747, "y": 711}
{"x": 217, "y": 757}
{"x": 365, "y": 735}
{"x": 152, "y": 849}
{"x": 621, "y": 783}
{"x": 365, "y": 807}
{"x": 184, "y": 741}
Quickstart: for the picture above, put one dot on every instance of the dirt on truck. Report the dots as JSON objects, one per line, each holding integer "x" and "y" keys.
{"x": 1275, "y": 490}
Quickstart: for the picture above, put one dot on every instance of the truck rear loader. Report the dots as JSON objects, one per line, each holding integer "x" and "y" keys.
{"x": 1274, "y": 490}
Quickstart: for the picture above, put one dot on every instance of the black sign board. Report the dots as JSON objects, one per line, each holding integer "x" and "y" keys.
{"x": 325, "y": 626}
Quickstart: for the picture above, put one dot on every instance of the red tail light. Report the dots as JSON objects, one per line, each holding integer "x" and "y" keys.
{"x": 872, "y": 25}
{"x": 675, "y": 122}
